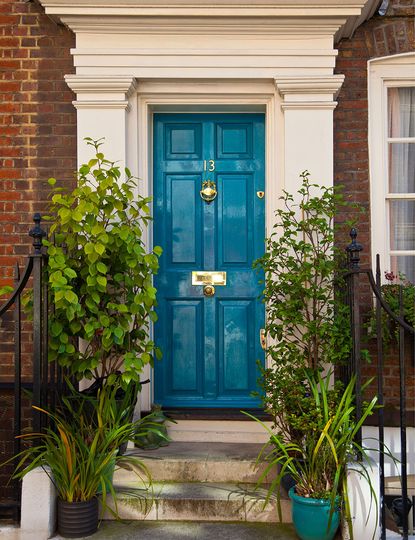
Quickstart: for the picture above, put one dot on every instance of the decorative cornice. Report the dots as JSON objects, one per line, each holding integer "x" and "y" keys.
{"x": 106, "y": 84}
{"x": 203, "y": 25}
{"x": 329, "y": 85}
{"x": 256, "y": 16}
{"x": 101, "y": 104}
{"x": 310, "y": 105}
{"x": 102, "y": 92}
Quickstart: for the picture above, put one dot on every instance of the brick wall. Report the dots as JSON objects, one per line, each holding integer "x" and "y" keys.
{"x": 37, "y": 140}
{"x": 380, "y": 36}
{"x": 37, "y": 120}
{"x": 37, "y": 133}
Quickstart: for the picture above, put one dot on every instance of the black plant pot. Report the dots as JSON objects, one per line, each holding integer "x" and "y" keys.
{"x": 287, "y": 481}
{"x": 77, "y": 519}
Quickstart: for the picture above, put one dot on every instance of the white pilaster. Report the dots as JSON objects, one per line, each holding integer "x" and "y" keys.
{"x": 307, "y": 105}
{"x": 102, "y": 103}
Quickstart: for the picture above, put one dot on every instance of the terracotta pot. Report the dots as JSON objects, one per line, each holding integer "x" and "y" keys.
{"x": 77, "y": 519}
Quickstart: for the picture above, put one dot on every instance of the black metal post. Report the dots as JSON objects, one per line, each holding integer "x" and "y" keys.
{"x": 402, "y": 406}
{"x": 381, "y": 417}
{"x": 17, "y": 409}
{"x": 353, "y": 250}
{"x": 37, "y": 233}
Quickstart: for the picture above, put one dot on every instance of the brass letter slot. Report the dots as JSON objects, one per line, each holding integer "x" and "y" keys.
{"x": 202, "y": 277}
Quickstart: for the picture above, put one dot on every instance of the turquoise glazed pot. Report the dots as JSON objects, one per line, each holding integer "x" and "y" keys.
{"x": 311, "y": 517}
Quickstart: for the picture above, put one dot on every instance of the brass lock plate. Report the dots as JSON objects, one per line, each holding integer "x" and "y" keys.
{"x": 204, "y": 277}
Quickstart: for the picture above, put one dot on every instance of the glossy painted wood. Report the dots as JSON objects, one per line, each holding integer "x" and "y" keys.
{"x": 210, "y": 344}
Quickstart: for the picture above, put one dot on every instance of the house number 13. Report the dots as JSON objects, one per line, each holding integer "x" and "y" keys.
{"x": 209, "y": 165}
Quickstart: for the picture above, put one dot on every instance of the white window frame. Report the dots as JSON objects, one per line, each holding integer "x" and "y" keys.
{"x": 383, "y": 73}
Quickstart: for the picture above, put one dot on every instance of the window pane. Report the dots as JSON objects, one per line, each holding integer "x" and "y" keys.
{"x": 401, "y": 112}
{"x": 402, "y": 167}
{"x": 402, "y": 225}
{"x": 404, "y": 265}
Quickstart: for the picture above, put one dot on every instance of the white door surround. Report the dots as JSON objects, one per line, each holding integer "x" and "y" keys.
{"x": 137, "y": 57}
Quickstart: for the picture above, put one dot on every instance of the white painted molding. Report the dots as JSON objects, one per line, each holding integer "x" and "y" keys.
{"x": 289, "y": 86}
{"x": 102, "y": 92}
{"x": 101, "y": 104}
{"x": 313, "y": 105}
{"x": 286, "y": 16}
{"x": 102, "y": 84}
{"x": 385, "y": 72}
{"x": 202, "y": 26}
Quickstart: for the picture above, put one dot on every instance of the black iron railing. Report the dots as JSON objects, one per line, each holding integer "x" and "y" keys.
{"x": 405, "y": 333}
{"x": 41, "y": 384}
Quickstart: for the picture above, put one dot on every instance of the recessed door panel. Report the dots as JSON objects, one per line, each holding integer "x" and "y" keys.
{"x": 209, "y": 337}
{"x": 234, "y": 228}
{"x": 185, "y": 321}
{"x": 183, "y": 227}
{"x": 183, "y": 141}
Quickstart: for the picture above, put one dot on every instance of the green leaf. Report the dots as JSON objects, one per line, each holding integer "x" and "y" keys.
{"x": 99, "y": 248}
{"x": 119, "y": 332}
{"x": 56, "y": 328}
{"x": 104, "y": 320}
{"x": 70, "y": 273}
{"x": 71, "y": 297}
{"x": 101, "y": 267}
{"x": 102, "y": 281}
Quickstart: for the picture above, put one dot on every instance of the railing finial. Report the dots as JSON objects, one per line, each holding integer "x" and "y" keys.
{"x": 37, "y": 233}
{"x": 354, "y": 249}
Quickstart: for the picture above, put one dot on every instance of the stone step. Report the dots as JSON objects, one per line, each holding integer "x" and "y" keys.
{"x": 201, "y": 462}
{"x": 222, "y": 431}
{"x": 195, "y": 501}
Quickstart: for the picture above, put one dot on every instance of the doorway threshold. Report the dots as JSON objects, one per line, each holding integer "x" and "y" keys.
{"x": 185, "y": 413}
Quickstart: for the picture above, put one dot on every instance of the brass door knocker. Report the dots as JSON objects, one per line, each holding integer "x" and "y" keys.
{"x": 208, "y": 191}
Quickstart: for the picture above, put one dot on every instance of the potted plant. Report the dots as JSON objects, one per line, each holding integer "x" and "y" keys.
{"x": 391, "y": 295}
{"x": 100, "y": 275}
{"x": 153, "y": 439}
{"x": 319, "y": 460}
{"x": 80, "y": 452}
{"x": 306, "y": 321}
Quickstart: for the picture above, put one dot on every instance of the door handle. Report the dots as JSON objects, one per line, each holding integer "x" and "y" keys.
{"x": 209, "y": 290}
{"x": 262, "y": 338}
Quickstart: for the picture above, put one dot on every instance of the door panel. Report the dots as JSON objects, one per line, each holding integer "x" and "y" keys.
{"x": 210, "y": 344}
{"x": 183, "y": 228}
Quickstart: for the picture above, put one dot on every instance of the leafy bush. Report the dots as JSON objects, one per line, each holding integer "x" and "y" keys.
{"x": 307, "y": 324}
{"x": 100, "y": 274}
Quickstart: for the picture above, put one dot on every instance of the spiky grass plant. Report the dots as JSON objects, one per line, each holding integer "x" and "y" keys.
{"x": 320, "y": 460}
{"x": 79, "y": 449}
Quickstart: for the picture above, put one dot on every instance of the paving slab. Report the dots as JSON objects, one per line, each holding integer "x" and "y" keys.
{"x": 192, "y": 531}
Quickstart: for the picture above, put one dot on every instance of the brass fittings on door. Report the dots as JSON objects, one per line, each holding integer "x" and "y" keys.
{"x": 263, "y": 338}
{"x": 208, "y": 290}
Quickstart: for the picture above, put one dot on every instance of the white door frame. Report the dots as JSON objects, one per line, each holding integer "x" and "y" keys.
{"x": 150, "y": 101}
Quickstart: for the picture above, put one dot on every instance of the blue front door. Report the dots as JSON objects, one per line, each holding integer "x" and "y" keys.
{"x": 210, "y": 344}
